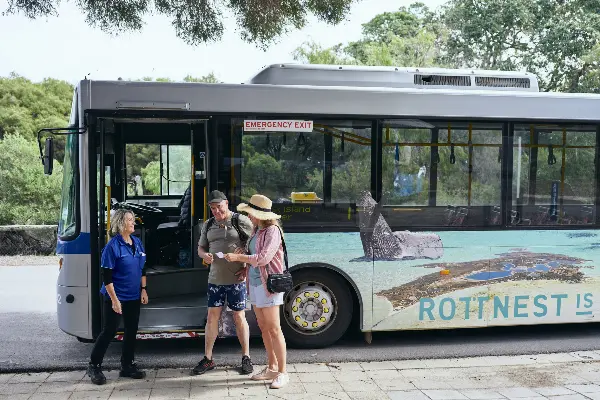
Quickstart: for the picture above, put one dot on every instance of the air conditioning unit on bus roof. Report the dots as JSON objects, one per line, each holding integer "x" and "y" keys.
{"x": 395, "y": 77}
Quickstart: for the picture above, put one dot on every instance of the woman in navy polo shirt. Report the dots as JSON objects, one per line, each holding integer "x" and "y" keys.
{"x": 123, "y": 289}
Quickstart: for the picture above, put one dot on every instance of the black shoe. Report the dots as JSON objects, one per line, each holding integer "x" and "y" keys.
{"x": 203, "y": 366}
{"x": 95, "y": 372}
{"x": 247, "y": 366}
{"x": 132, "y": 371}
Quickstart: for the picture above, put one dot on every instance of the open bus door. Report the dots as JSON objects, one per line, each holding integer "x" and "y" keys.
{"x": 159, "y": 170}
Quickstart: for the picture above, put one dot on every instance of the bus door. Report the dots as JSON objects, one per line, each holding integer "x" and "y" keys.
{"x": 159, "y": 170}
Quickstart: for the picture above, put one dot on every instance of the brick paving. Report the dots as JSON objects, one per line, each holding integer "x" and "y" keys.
{"x": 561, "y": 376}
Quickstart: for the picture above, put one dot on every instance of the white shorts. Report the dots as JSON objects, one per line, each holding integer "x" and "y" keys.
{"x": 259, "y": 299}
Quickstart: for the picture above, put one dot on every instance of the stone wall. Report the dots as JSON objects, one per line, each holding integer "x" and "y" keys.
{"x": 27, "y": 240}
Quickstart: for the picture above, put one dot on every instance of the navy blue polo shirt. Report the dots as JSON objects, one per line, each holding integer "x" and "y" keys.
{"x": 126, "y": 265}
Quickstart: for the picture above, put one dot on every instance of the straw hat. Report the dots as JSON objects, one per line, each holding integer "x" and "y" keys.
{"x": 259, "y": 207}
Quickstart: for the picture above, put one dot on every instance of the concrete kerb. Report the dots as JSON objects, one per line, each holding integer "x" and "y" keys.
{"x": 530, "y": 360}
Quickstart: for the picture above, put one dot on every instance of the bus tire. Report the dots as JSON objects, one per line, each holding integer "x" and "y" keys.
{"x": 320, "y": 294}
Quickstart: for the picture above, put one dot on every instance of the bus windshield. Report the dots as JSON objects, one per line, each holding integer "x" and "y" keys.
{"x": 67, "y": 225}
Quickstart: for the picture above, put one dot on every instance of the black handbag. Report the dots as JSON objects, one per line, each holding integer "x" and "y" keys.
{"x": 280, "y": 283}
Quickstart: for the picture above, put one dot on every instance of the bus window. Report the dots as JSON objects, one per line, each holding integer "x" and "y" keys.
{"x": 176, "y": 176}
{"x": 157, "y": 170}
{"x": 351, "y": 161}
{"x": 441, "y": 174}
{"x": 314, "y": 176}
{"x": 143, "y": 169}
{"x": 553, "y": 175}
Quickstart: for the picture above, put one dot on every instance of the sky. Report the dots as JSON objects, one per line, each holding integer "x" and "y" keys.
{"x": 65, "y": 47}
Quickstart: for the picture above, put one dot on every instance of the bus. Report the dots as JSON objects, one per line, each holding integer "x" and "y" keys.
{"x": 411, "y": 198}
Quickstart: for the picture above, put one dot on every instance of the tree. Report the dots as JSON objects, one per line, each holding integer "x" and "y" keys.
{"x": 28, "y": 196}
{"x": 411, "y": 36}
{"x": 210, "y": 78}
{"x": 26, "y": 107}
{"x": 556, "y": 40}
{"x": 313, "y": 53}
{"x": 198, "y": 21}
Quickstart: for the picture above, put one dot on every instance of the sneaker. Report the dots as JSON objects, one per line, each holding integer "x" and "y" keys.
{"x": 265, "y": 375}
{"x": 247, "y": 366}
{"x": 132, "y": 371}
{"x": 280, "y": 381}
{"x": 203, "y": 366}
{"x": 95, "y": 372}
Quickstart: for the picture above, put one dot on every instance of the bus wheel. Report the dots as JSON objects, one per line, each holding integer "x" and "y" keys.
{"x": 318, "y": 309}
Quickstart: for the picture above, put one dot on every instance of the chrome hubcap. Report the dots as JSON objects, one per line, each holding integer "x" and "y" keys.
{"x": 310, "y": 307}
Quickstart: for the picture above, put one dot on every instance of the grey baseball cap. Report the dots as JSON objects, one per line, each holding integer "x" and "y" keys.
{"x": 216, "y": 196}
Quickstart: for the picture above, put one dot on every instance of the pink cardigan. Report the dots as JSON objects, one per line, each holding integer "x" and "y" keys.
{"x": 269, "y": 252}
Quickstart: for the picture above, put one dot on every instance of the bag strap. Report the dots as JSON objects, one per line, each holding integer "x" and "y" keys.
{"x": 208, "y": 224}
{"x": 235, "y": 221}
{"x": 285, "y": 257}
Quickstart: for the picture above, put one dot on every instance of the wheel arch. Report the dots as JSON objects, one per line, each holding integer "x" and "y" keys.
{"x": 356, "y": 295}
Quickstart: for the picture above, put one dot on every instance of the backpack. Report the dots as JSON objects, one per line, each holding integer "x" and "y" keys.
{"x": 235, "y": 221}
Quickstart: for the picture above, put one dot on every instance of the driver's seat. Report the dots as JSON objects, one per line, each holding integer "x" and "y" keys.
{"x": 184, "y": 212}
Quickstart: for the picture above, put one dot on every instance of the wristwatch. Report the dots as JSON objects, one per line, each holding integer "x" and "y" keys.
{"x": 143, "y": 288}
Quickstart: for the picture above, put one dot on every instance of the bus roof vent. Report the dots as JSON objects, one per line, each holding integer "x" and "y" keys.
{"x": 393, "y": 77}
{"x": 497, "y": 82}
{"x": 444, "y": 80}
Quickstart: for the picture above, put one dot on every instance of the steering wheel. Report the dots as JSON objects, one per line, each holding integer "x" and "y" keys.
{"x": 139, "y": 207}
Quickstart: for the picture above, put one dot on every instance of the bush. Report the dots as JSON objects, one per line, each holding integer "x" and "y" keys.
{"x": 28, "y": 196}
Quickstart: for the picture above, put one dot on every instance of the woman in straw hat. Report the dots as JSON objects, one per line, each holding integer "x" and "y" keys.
{"x": 265, "y": 250}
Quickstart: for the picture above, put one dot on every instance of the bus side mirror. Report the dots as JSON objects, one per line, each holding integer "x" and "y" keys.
{"x": 48, "y": 156}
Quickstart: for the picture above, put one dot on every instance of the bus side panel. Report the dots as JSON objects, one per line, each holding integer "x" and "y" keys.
{"x": 73, "y": 310}
{"x": 73, "y": 291}
{"x": 493, "y": 278}
{"x": 344, "y": 251}
{"x": 74, "y": 271}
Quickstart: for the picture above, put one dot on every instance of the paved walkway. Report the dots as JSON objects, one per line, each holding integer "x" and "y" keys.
{"x": 566, "y": 376}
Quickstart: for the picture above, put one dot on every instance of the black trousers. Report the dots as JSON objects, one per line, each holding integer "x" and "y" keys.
{"x": 131, "y": 317}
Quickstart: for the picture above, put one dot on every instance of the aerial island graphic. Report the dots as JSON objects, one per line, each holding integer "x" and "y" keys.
{"x": 380, "y": 243}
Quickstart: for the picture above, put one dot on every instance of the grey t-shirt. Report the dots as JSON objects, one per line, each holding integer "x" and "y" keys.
{"x": 254, "y": 272}
{"x": 222, "y": 237}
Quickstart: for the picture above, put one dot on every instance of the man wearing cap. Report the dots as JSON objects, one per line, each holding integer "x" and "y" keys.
{"x": 223, "y": 234}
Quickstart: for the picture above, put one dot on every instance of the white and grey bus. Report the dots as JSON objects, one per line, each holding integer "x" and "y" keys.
{"x": 411, "y": 198}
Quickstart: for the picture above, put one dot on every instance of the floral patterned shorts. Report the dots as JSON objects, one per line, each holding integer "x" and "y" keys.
{"x": 235, "y": 295}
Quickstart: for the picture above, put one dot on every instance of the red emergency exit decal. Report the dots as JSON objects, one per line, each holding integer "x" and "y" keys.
{"x": 286, "y": 125}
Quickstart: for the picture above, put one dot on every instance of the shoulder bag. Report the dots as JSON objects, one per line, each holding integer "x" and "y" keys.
{"x": 280, "y": 283}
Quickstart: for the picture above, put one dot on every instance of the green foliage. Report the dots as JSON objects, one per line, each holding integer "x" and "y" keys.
{"x": 210, "y": 78}
{"x": 198, "y": 21}
{"x": 408, "y": 37}
{"x": 178, "y": 168}
{"x": 313, "y": 53}
{"x": 26, "y": 107}
{"x": 151, "y": 178}
{"x": 557, "y": 40}
{"x": 27, "y": 196}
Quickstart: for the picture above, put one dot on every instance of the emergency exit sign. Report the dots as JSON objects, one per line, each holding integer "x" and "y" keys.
{"x": 281, "y": 125}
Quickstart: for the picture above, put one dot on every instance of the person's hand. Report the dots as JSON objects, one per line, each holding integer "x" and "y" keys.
{"x": 242, "y": 274}
{"x": 144, "y": 296}
{"x": 116, "y": 306}
{"x": 232, "y": 257}
{"x": 208, "y": 258}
